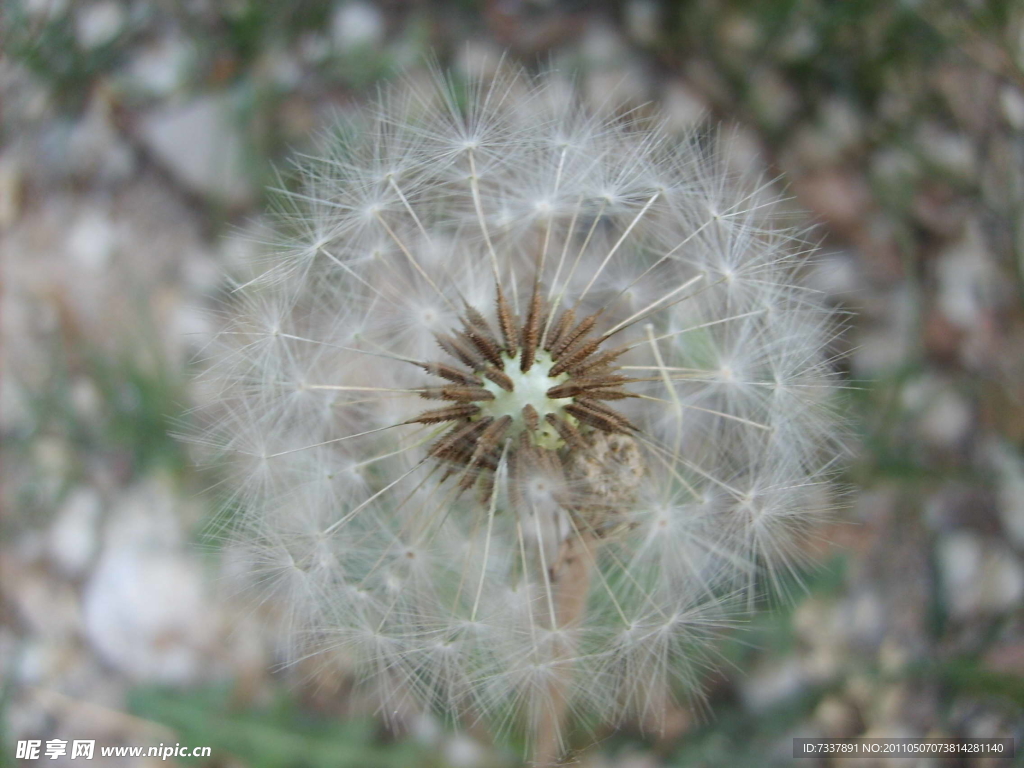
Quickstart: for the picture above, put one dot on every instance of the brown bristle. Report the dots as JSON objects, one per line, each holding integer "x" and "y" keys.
{"x": 473, "y": 444}
{"x": 605, "y": 380}
{"x": 469, "y": 478}
{"x": 477, "y": 320}
{"x": 531, "y": 417}
{"x": 489, "y": 440}
{"x": 456, "y": 452}
{"x": 597, "y": 364}
{"x": 507, "y": 324}
{"x": 607, "y": 411}
{"x": 471, "y": 473}
{"x": 597, "y": 393}
{"x": 566, "y": 389}
{"x": 571, "y": 337}
{"x": 451, "y": 413}
{"x": 575, "y": 386}
{"x": 493, "y": 434}
{"x": 605, "y": 422}
{"x": 531, "y": 329}
{"x": 461, "y": 394}
{"x": 458, "y": 440}
{"x": 459, "y": 350}
{"x": 558, "y": 329}
{"x": 515, "y": 469}
{"x": 450, "y": 373}
{"x": 552, "y": 465}
{"x": 487, "y": 346}
{"x": 601, "y": 408}
{"x": 609, "y": 394}
{"x": 577, "y": 356}
{"x": 566, "y": 431}
{"x": 500, "y": 378}
{"x": 528, "y": 455}
{"x": 484, "y": 490}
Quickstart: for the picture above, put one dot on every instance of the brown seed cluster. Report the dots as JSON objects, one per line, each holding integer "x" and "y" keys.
{"x": 537, "y": 438}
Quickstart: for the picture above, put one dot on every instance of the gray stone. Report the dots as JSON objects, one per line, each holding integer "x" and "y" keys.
{"x": 1009, "y": 467}
{"x": 75, "y": 532}
{"x": 146, "y": 611}
{"x": 357, "y": 24}
{"x": 200, "y": 144}
{"x": 98, "y": 23}
{"x": 978, "y": 576}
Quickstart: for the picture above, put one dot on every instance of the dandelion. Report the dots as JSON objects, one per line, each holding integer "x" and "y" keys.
{"x": 523, "y": 400}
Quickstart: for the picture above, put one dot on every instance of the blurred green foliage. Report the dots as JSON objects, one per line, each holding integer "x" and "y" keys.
{"x": 49, "y": 48}
{"x": 279, "y": 735}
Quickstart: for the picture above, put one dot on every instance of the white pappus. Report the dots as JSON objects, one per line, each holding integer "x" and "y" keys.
{"x": 522, "y": 400}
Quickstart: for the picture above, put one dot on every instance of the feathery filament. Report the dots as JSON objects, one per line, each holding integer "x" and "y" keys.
{"x": 629, "y": 391}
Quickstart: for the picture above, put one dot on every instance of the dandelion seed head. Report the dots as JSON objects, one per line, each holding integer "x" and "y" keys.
{"x": 524, "y": 398}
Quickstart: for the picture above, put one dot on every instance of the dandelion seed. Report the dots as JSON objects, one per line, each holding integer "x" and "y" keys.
{"x": 529, "y": 398}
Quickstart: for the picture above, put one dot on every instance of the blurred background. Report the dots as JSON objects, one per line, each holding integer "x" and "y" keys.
{"x": 136, "y": 141}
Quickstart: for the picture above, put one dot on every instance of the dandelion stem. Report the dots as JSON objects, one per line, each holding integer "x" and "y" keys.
{"x": 573, "y": 586}
{"x": 592, "y": 560}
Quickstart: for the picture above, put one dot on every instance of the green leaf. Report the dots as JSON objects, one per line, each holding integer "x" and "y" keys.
{"x": 276, "y": 736}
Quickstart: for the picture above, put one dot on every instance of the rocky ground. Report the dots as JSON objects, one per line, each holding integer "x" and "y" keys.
{"x": 136, "y": 141}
